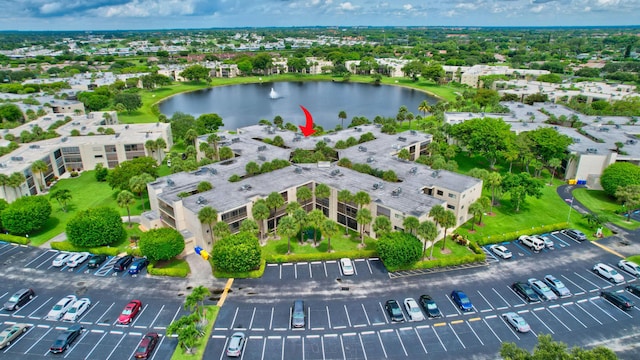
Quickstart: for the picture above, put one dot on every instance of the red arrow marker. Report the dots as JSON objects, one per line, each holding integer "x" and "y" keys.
{"x": 307, "y": 129}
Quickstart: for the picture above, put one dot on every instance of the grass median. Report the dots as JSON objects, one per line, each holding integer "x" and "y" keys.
{"x": 211, "y": 313}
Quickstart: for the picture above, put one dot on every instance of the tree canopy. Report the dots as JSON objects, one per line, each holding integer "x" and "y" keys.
{"x": 95, "y": 227}
{"x": 237, "y": 253}
{"x": 487, "y": 136}
{"x": 120, "y": 176}
{"x": 549, "y": 349}
{"x": 26, "y": 214}
{"x": 161, "y": 244}
{"x": 619, "y": 174}
{"x": 397, "y": 249}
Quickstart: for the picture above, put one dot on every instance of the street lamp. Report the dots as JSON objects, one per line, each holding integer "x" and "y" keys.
{"x": 570, "y": 207}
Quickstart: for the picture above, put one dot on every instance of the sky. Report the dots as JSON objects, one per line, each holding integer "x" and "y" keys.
{"x": 184, "y": 14}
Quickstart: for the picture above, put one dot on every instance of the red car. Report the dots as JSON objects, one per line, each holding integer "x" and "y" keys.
{"x": 146, "y": 346}
{"x": 129, "y": 312}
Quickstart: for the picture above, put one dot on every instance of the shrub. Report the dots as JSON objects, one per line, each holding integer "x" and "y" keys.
{"x": 177, "y": 268}
{"x": 236, "y": 253}
{"x": 95, "y": 227}
{"x": 619, "y": 174}
{"x": 494, "y": 239}
{"x": 14, "y": 239}
{"x": 399, "y": 249}
{"x": 161, "y": 244}
{"x": 26, "y": 214}
{"x": 253, "y": 274}
{"x": 354, "y": 254}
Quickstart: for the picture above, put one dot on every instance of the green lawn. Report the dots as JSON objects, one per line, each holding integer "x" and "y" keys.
{"x": 86, "y": 193}
{"x": 211, "y": 315}
{"x": 339, "y": 243}
{"x": 601, "y": 204}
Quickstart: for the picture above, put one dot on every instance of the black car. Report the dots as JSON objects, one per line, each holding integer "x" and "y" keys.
{"x": 96, "y": 261}
{"x": 18, "y": 299}
{"x": 430, "y": 307}
{"x": 65, "y": 339}
{"x": 123, "y": 263}
{"x": 634, "y": 289}
{"x": 525, "y": 291}
{"x": 394, "y": 310}
{"x": 618, "y": 300}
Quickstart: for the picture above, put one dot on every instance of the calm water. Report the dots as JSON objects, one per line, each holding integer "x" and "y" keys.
{"x": 243, "y": 105}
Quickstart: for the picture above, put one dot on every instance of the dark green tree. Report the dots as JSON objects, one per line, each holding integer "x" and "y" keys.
{"x": 398, "y": 249}
{"x": 208, "y": 123}
{"x": 121, "y": 175}
{"x": 237, "y": 253}
{"x": 130, "y": 101}
{"x": 161, "y": 244}
{"x": 619, "y": 174}
{"x": 95, "y": 227}
{"x": 26, "y": 215}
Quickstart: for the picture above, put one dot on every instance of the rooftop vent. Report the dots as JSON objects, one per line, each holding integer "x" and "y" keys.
{"x": 396, "y": 192}
{"x": 171, "y": 182}
{"x": 370, "y": 159}
{"x": 631, "y": 142}
{"x": 335, "y": 172}
{"x": 592, "y": 150}
{"x": 63, "y": 139}
{"x": 17, "y": 158}
{"x": 262, "y": 147}
{"x": 326, "y": 140}
{"x": 3, "y": 165}
{"x": 413, "y": 132}
{"x": 262, "y": 158}
{"x": 117, "y": 135}
{"x": 435, "y": 174}
{"x": 201, "y": 200}
{"x": 235, "y": 140}
{"x": 413, "y": 170}
{"x": 402, "y": 138}
{"x": 378, "y": 186}
{"x": 246, "y": 187}
{"x": 34, "y": 146}
{"x": 297, "y": 170}
{"x": 362, "y": 148}
{"x": 126, "y": 126}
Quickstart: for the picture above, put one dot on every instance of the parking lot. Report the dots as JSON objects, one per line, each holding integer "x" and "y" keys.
{"x": 344, "y": 325}
{"x": 318, "y": 270}
{"x": 102, "y": 338}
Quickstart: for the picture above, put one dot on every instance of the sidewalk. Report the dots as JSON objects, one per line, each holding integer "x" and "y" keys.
{"x": 201, "y": 272}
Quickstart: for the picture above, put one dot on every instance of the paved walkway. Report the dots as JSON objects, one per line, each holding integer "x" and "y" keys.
{"x": 201, "y": 272}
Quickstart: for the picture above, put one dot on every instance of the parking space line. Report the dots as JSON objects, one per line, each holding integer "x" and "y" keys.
{"x": 588, "y": 313}
{"x": 295, "y": 271}
{"x": 500, "y": 296}
{"x": 401, "y": 343}
{"x": 309, "y": 317}
{"x": 559, "y": 239}
{"x": 34, "y": 311}
{"x": 91, "y": 307}
{"x": 454, "y": 305}
{"x": 369, "y": 265}
{"x": 361, "y": 345}
{"x": 282, "y": 352}
{"x": 324, "y": 264}
{"x": 156, "y": 318}
{"x": 66, "y": 353}
{"x": 490, "y": 328}
{"x": 252, "y": 316}
{"x": 280, "y": 270}
{"x": 576, "y": 285}
{"x": 322, "y": 346}
{"x": 615, "y": 307}
{"x": 554, "y": 315}
{"x": 485, "y": 299}
{"x": 226, "y": 342}
{"x": 139, "y": 315}
{"x": 264, "y": 346}
{"x": 159, "y": 345}
{"x": 310, "y": 272}
{"x": 104, "y": 313}
{"x": 37, "y": 342}
{"x": 234, "y": 318}
{"x": 271, "y": 320}
{"x": 526, "y": 251}
{"x": 41, "y": 255}
{"x": 421, "y": 342}
{"x": 590, "y": 282}
{"x": 96, "y": 345}
{"x": 474, "y": 332}
{"x": 438, "y": 336}
{"x": 504, "y": 321}
{"x": 543, "y": 323}
{"x": 367, "y": 316}
{"x": 328, "y": 316}
{"x": 23, "y": 335}
{"x": 456, "y": 334}
{"x": 11, "y": 247}
{"x": 347, "y": 313}
{"x": 573, "y": 316}
{"x": 382, "y": 345}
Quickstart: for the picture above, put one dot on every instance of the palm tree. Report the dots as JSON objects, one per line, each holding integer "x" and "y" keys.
{"x": 62, "y": 196}
{"x": 288, "y": 228}
{"x": 448, "y": 221}
{"x": 304, "y": 194}
{"x": 125, "y": 199}
{"x": 161, "y": 145}
{"x": 344, "y": 196}
{"x": 221, "y": 229}
{"x": 38, "y": 168}
{"x": 315, "y": 218}
{"x": 191, "y": 135}
{"x": 554, "y": 164}
{"x": 138, "y": 184}
{"x": 409, "y": 117}
{"x": 428, "y": 231}
{"x": 342, "y": 115}
{"x": 363, "y": 217}
{"x": 494, "y": 179}
{"x": 629, "y": 196}
{"x": 329, "y": 228}
{"x": 323, "y": 191}
{"x": 250, "y": 226}
{"x": 260, "y": 212}
{"x": 424, "y": 107}
{"x": 476, "y": 209}
{"x": 381, "y": 225}
{"x": 213, "y": 139}
{"x": 410, "y": 224}
{"x": 292, "y": 207}
{"x": 361, "y": 198}
{"x": 151, "y": 146}
{"x": 436, "y": 213}
{"x": 594, "y": 219}
{"x": 274, "y": 202}
{"x": 300, "y": 217}
{"x": 486, "y": 205}
{"x": 15, "y": 180}
{"x": 4, "y": 181}
{"x": 208, "y": 215}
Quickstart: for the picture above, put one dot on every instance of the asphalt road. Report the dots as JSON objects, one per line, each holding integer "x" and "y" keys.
{"x": 102, "y": 338}
{"x": 345, "y": 316}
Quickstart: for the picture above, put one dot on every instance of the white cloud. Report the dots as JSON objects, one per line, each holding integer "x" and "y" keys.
{"x": 407, "y": 7}
{"x": 537, "y": 9}
{"x": 347, "y": 6}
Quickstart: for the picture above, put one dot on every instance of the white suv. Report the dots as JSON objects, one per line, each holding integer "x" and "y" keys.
{"x": 608, "y": 272}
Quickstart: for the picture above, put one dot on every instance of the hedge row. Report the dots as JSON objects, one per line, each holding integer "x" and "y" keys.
{"x": 178, "y": 268}
{"x": 100, "y": 250}
{"x": 14, "y": 239}
{"x": 428, "y": 264}
{"x": 254, "y": 274}
{"x": 355, "y": 254}
{"x": 494, "y": 239}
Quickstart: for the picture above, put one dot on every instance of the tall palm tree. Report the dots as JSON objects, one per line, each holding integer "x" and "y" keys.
{"x": 361, "y": 198}
{"x": 554, "y": 164}
{"x": 213, "y": 139}
{"x": 161, "y": 145}
{"x": 428, "y": 231}
{"x": 260, "y": 212}
{"x": 486, "y": 205}
{"x": 409, "y": 117}
{"x": 363, "y": 217}
{"x": 208, "y": 215}
{"x": 476, "y": 209}
{"x": 448, "y": 221}
{"x": 288, "y": 228}
{"x": 4, "y": 181}
{"x": 381, "y": 225}
{"x": 329, "y": 229}
{"x": 304, "y": 194}
{"x": 62, "y": 196}
{"x": 138, "y": 184}
{"x": 494, "y": 179}
{"x": 323, "y": 191}
{"x": 38, "y": 168}
{"x": 410, "y": 224}
{"x": 315, "y": 218}
{"x": 274, "y": 202}
{"x": 250, "y": 226}
{"x": 15, "y": 181}
{"x": 151, "y": 146}
{"x": 191, "y": 135}
{"x": 345, "y": 196}
{"x": 125, "y": 199}
{"x": 342, "y": 115}
{"x": 221, "y": 229}
{"x": 292, "y": 207}
{"x": 300, "y": 217}
{"x": 424, "y": 107}
{"x": 436, "y": 213}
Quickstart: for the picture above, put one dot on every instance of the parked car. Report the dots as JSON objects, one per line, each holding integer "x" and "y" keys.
{"x": 542, "y": 289}
{"x": 65, "y": 339}
{"x": 61, "y": 307}
{"x": 548, "y": 243}
{"x": 146, "y": 345}
{"x": 394, "y": 311}
{"x": 96, "y": 261}
{"x": 630, "y": 267}
{"x": 236, "y": 344}
{"x": 415, "y": 314}
{"x": 618, "y": 300}
{"x": 608, "y": 273}
{"x": 575, "y": 234}
{"x": 61, "y": 259}
{"x": 138, "y": 264}
{"x": 525, "y": 291}
{"x": 77, "y": 309}
{"x": 501, "y": 251}
{"x": 77, "y": 259}
{"x": 129, "y": 312}
{"x": 517, "y": 322}
{"x": 634, "y": 289}
{"x": 461, "y": 300}
{"x": 19, "y": 299}
{"x": 347, "y": 266}
{"x": 11, "y": 333}
{"x": 123, "y": 263}
{"x": 531, "y": 242}
{"x": 557, "y": 286}
{"x": 430, "y": 307}
{"x": 298, "y": 314}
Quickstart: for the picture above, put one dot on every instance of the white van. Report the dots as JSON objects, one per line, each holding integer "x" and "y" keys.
{"x": 533, "y": 243}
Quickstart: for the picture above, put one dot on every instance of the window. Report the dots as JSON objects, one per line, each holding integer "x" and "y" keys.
{"x": 440, "y": 192}
{"x": 383, "y": 211}
{"x": 453, "y": 196}
{"x": 451, "y": 207}
{"x": 98, "y": 156}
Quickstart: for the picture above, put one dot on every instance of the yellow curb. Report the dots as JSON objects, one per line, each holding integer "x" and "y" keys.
{"x": 440, "y": 324}
{"x": 608, "y": 249}
{"x": 223, "y": 297}
{"x": 475, "y": 319}
{"x": 457, "y": 322}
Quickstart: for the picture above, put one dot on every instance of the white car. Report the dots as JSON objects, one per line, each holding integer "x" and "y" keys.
{"x": 517, "y": 322}
{"x": 542, "y": 289}
{"x": 415, "y": 314}
{"x": 61, "y": 259}
{"x": 608, "y": 273}
{"x": 347, "y": 266}
{"x": 630, "y": 267}
{"x": 77, "y": 309}
{"x": 77, "y": 259}
{"x": 501, "y": 251}
{"x": 548, "y": 243}
{"x": 61, "y": 307}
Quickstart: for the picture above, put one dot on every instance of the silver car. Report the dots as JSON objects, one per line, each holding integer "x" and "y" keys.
{"x": 61, "y": 259}
{"x": 11, "y": 333}
{"x": 61, "y": 307}
{"x": 542, "y": 289}
{"x": 630, "y": 267}
{"x": 236, "y": 344}
{"x": 501, "y": 251}
{"x": 517, "y": 322}
{"x": 557, "y": 286}
{"x": 77, "y": 309}
{"x": 415, "y": 314}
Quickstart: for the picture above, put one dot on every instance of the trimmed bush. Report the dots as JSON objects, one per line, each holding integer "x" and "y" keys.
{"x": 14, "y": 239}
{"x": 494, "y": 239}
{"x": 398, "y": 249}
{"x": 236, "y": 253}
{"x": 161, "y": 244}
{"x": 619, "y": 174}
{"x": 26, "y": 214}
{"x": 95, "y": 227}
{"x": 177, "y": 268}
{"x": 321, "y": 256}
{"x": 253, "y": 274}
{"x": 100, "y": 250}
